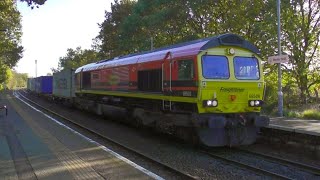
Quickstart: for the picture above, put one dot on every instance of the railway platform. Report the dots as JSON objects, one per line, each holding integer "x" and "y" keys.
{"x": 34, "y": 147}
{"x": 302, "y": 126}
{"x": 303, "y": 134}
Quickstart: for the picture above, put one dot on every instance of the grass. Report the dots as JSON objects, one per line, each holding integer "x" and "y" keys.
{"x": 304, "y": 114}
{"x": 311, "y": 114}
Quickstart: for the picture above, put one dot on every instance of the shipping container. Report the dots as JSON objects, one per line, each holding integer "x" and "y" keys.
{"x": 63, "y": 84}
{"x": 31, "y": 84}
{"x": 43, "y": 84}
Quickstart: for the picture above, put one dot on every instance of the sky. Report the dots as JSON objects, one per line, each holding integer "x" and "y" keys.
{"x": 48, "y": 31}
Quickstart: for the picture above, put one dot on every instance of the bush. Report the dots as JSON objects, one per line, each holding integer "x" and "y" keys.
{"x": 293, "y": 114}
{"x": 311, "y": 114}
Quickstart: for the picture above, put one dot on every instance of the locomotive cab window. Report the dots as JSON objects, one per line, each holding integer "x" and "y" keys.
{"x": 246, "y": 68}
{"x": 185, "y": 70}
{"x": 215, "y": 67}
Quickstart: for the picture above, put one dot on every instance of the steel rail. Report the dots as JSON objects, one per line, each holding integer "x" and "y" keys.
{"x": 305, "y": 167}
{"x": 140, "y": 154}
{"x": 240, "y": 164}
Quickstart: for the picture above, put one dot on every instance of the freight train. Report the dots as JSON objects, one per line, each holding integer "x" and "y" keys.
{"x": 208, "y": 91}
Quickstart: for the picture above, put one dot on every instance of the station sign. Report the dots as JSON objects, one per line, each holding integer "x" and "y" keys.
{"x": 278, "y": 59}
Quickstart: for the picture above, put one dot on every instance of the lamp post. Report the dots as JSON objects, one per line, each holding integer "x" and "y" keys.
{"x": 280, "y": 94}
{"x": 36, "y": 66}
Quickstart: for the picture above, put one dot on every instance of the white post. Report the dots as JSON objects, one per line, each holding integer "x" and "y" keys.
{"x": 36, "y": 67}
{"x": 280, "y": 94}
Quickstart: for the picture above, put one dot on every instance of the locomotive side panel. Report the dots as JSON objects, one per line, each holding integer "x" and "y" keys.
{"x": 110, "y": 79}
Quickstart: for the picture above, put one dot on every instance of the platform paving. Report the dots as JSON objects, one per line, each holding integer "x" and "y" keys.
{"x": 304, "y": 126}
{"x": 34, "y": 147}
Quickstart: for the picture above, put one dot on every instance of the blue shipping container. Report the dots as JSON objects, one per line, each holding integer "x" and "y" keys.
{"x": 44, "y": 84}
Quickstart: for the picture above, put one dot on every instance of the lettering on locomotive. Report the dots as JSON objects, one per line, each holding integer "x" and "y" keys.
{"x": 232, "y": 89}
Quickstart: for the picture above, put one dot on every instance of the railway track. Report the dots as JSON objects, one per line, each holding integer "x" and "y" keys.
{"x": 225, "y": 156}
{"x": 246, "y": 166}
{"x": 169, "y": 168}
{"x": 217, "y": 154}
{"x": 305, "y": 167}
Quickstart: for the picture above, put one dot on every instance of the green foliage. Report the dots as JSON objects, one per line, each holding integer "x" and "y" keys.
{"x": 301, "y": 30}
{"x": 293, "y": 114}
{"x": 5, "y": 74}
{"x": 310, "y": 111}
{"x": 10, "y": 35}
{"x": 311, "y": 114}
{"x": 16, "y": 80}
{"x": 34, "y": 3}
{"x": 109, "y": 35}
{"x": 76, "y": 58}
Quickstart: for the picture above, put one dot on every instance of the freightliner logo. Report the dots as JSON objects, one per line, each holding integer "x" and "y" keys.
{"x": 229, "y": 90}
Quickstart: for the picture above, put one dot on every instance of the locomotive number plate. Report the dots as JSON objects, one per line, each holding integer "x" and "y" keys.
{"x": 186, "y": 93}
{"x": 254, "y": 96}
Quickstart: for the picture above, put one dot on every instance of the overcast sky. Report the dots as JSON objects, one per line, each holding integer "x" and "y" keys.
{"x": 55, "y": 26}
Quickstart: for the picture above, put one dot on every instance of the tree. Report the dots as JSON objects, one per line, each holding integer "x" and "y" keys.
{"x": 10, "y": 36}
{"x": 109, "y": 34}
{"x": 33, "y": 3}
{"x": 301, "y": 30}
{"x": 76, "y": 58}
{"x": 16, "y": 80}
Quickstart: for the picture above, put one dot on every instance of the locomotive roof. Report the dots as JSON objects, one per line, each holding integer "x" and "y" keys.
{"x": 182, "y": 49}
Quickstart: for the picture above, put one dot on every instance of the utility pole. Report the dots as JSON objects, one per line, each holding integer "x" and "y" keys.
{"x": 280, "y": 94}
{"x": 36, "y": 66}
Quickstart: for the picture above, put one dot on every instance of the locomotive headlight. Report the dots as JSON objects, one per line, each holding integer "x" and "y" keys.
{"x": 251, "y": 103}
{"x": 231, "y": 51}
{"x": 214, "y": 103}
{"x": 255, "y": 103}
{"x": 210, "y": 103}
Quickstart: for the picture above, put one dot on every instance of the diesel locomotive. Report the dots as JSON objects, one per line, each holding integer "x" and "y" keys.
{"x": 209, "y": 90}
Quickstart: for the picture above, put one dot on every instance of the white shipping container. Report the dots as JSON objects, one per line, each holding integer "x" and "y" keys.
{"x": 63, "y": 84}
{"x": 31, "y": 84}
